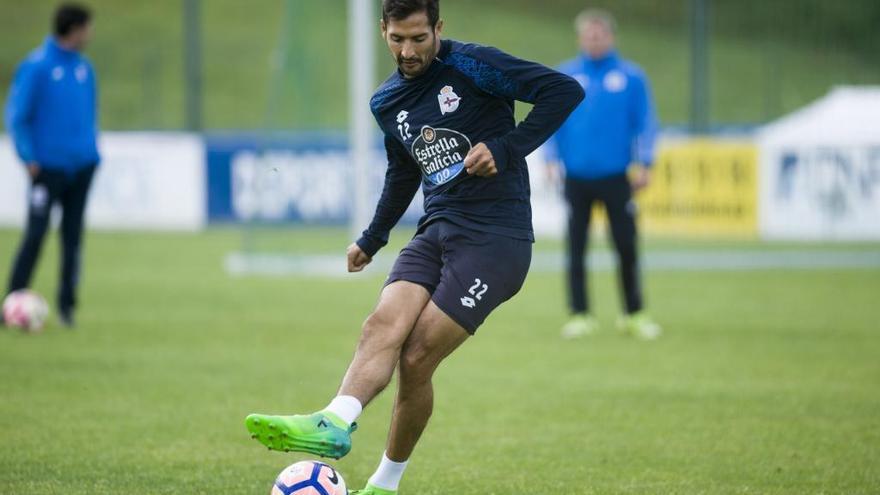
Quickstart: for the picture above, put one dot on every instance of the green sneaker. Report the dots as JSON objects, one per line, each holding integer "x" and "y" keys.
{"x": 371, "y": 490}
{"x": 580, "y": 325}
{"x": 639, "y": 325}
{"x": 321, "y": 433}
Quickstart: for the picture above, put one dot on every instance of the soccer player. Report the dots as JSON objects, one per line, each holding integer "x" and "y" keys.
{"x": 448, "y": 119}
{"x": 613, "y": 129}
{"x": 51, "y": 116}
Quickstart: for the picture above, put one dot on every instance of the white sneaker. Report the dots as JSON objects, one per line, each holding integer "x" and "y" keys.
{"x": 640, "y": 326}
{"x": 579, "y": 326}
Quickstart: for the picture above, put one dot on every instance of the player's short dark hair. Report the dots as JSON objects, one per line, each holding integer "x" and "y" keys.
{"x": 401, "y": 9}
{"x": 70, "y": 16}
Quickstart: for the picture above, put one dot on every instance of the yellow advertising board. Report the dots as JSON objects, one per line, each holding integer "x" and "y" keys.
{"x": 702, "y": 187}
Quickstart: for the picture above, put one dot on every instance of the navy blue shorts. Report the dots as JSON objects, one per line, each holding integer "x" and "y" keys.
{"x": 468, "y": 273}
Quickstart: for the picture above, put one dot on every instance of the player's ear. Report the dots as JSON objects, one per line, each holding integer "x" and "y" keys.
{"x": 382, "y": 27}
{"x": 438, "y": 28}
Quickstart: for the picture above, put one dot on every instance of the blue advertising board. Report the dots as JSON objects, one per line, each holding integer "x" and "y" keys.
{"x": 303, "y": 178}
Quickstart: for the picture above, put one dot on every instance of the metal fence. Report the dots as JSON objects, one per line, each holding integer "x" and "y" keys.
{"x": 227, "y": 64}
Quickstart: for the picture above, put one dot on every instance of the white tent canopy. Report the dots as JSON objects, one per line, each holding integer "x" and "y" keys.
{"x": 846, "y": 115}
{"x": 820, "y": 169}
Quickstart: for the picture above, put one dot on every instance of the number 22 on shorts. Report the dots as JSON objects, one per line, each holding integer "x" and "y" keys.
{"x": 477, "y": 290}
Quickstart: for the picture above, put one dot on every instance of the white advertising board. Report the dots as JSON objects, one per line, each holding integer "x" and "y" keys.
{"x": 13, "y": 188}
{"x": 549, "y": 209}
{"x": 153, "y": 181}
{"x": 820, "y": 170}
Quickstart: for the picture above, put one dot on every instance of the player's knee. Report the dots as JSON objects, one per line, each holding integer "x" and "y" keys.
{"x": 379, "y": 331}
{"x": 417, "y": 363}
{"x": 625, "y": 245}
{"x": 36, "y": 231}
{"x": 626, "y": 251}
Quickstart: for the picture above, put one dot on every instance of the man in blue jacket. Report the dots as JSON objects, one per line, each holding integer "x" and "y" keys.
{"x": 612, "y": 131}
{"x": 51, "y": 116}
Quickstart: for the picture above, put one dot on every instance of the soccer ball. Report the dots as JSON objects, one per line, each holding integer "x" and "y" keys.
{"x": 25, "y": 309}
{"x": 309, "y": 478}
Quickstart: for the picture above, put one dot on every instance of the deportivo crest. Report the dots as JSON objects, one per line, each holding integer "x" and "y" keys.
{"x": 440, "y": 153}
{"x": 81, "y": 73}
{"x": 448, "y": 100}
{"x": 614, "y": 81}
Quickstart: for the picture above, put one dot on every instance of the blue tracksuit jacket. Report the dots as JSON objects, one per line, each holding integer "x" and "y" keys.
{"x": 615, "y": 124}
{"x": 51, "y": 110}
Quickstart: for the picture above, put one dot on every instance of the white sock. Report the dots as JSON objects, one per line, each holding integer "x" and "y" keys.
{"x": 388, "y": 474}
{"x": 346, "y": 407}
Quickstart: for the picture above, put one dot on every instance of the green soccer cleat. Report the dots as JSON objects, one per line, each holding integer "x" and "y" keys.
{"x": 371, "y": 490}
{"x": 320, "y": 434}
{"x": 640, "y": 325}
{"x": 580, "y": 325}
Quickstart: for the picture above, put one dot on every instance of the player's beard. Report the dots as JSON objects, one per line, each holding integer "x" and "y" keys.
{"x": 418, "y": 64}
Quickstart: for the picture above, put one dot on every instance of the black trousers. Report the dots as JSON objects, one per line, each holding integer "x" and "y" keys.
{"x": 71, "y": 192}
{"x": 615, "y": 193}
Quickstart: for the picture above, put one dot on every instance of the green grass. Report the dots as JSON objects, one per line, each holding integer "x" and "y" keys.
{"x": 138, "y": 54}
{"x": 766, "y": 382}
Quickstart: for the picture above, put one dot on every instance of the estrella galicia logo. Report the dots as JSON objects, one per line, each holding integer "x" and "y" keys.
{"x": 440, "y": 153}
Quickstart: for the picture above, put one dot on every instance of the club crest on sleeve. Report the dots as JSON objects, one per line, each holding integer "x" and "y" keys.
{"x": 448, "y": 100}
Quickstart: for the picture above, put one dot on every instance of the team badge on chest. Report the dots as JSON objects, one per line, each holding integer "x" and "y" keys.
{"x": 614, "y": 82}
{"x": 449, "y": 101}
{"x": 440, "y": 153}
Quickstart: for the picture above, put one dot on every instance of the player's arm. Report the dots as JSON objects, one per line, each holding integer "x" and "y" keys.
{"x": 19, "y": 113}
{"x": 644, "y": 132}
{"x": 553, "y": 94}
{"x": 402, "y": 180}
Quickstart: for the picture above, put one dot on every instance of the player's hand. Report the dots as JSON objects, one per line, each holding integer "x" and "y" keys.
{"x": 480, "y": 162}
{"x": 640, "y": 178}
{"x": 357, "y": 259}
{"x": 33, "y": 169}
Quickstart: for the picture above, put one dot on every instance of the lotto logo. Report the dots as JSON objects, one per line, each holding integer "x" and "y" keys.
{"x": 477, "y": 290}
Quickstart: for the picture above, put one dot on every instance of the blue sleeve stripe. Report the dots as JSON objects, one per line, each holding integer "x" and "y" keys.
{"x": 382, "y": 94}
{"x": 486, "y": 77}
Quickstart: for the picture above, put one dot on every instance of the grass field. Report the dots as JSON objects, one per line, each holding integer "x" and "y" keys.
{"x": 766, "y": 382}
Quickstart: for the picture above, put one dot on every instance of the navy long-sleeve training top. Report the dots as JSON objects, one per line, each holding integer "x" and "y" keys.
{"x": 432, "y": 121}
